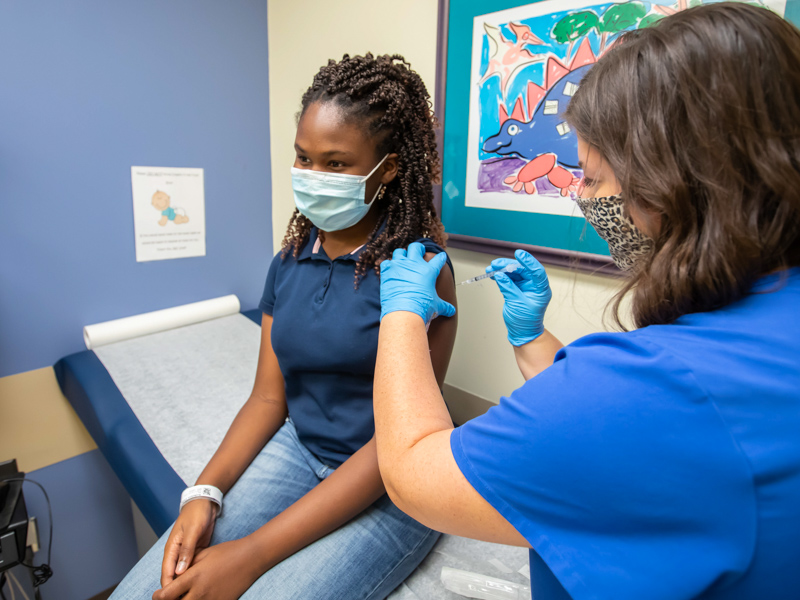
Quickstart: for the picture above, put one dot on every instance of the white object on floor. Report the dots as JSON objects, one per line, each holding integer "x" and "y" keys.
{"x": 482, "y": 587}
{"x": 458, "y": 553}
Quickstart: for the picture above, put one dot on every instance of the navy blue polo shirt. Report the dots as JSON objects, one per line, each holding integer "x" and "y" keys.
{"x": 325, "y": 335}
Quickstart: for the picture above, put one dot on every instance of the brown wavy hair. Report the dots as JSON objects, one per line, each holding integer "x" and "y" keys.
{"x": 699, "y": 119}
{"x": 389, "y": 101}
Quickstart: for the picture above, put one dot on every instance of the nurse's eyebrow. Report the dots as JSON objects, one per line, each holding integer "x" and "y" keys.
{"x": 327, "y": 153}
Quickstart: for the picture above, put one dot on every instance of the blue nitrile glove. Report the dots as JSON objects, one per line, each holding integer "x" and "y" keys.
{"x": 408, "y": 282}
{"x": 526, "y": 292}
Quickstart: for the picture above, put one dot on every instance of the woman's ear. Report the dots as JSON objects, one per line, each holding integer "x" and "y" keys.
{"x": 648, "y": 222}
{"x": 390, "y": 167}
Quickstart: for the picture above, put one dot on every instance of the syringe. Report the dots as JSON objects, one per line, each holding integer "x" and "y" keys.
{"x": 507, "y": 269}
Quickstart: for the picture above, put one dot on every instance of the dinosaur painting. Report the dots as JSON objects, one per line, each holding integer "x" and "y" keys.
{"x": 527, "y": 63}
{"x": 545, "y": 138}
{"x": 508, "y": 58}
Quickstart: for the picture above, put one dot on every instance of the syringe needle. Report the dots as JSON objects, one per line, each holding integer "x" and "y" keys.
{"x": 507, "y": 269}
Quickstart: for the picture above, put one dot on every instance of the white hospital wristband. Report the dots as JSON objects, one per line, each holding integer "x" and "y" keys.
{"x": 208, "y": 492}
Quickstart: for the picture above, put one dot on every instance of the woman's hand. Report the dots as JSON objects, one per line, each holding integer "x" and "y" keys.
{"x": 190, "y": 534}
{"x": 222, "y": 572}
{"x": 526, "y": 292}
{"x": 408, "y": 283}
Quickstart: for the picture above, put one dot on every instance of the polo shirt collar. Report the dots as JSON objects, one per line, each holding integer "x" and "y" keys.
{"x": 313, "y": 247}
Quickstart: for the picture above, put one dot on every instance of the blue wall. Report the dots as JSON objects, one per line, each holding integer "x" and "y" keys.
{"x": 88, "y": 89}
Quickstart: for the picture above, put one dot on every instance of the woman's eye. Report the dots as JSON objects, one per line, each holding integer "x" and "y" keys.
{"x": 303, "y": 159}
{"x": 336, "y": 164}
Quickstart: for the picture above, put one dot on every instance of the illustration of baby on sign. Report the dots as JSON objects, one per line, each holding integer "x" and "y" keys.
{"x": 161, "y": 201}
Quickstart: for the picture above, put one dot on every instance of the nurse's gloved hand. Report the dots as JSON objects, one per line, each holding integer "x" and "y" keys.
{"x": 408, "y": 283}
{"x": 526, "y": 292}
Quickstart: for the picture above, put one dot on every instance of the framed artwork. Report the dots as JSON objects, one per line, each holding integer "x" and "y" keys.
{"x": 506, "y": 72}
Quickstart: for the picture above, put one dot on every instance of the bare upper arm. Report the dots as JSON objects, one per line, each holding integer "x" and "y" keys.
{"x": 269, "y": 385}
{"x": 442, "y": 331}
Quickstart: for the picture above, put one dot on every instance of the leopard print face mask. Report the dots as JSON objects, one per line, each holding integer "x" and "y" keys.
{"x": 626, "y": 241}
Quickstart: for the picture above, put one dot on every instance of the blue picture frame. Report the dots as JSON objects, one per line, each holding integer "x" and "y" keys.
{"x": 553, "y": 239}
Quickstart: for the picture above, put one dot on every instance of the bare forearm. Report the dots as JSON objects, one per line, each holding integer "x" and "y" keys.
{"x": 408, "y": 403}
{"x": 253, "y": 427}
{"x": 345, "y": 494}
{"x": 534, "y": 357}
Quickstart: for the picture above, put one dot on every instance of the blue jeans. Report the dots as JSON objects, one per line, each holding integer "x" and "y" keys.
{"x": 364, "y": 559}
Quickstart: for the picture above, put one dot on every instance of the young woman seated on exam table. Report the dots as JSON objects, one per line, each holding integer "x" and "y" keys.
{"x": 305, "y": 512}
{"x": 661, "y": 463}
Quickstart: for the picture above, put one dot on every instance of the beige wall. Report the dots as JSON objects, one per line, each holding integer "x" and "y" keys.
{"x": 38, "y": 426}
{"x": 483, "y": 360}
{"x": 302, "y": 36}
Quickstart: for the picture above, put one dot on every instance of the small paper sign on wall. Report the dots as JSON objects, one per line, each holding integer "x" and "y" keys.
{"x": 168, "y": 213}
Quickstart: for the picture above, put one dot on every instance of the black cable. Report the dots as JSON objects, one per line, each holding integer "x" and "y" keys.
{"x": 2, "y": 585}
{"x": 43, "y": 572}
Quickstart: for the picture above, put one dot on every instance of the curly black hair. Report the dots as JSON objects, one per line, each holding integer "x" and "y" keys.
{"x": 389, "y": 101}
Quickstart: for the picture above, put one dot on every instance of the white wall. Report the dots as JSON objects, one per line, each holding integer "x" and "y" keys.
{"x": 302, "y": 37}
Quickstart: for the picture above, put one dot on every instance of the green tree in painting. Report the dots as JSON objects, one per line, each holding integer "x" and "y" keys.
{"x": 573, "y": 26}
{"x": 649, "y": 20}
{"x": 617, "y": 18}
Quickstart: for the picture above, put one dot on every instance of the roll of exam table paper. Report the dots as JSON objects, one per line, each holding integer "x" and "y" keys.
{"x": 118, "y": 330}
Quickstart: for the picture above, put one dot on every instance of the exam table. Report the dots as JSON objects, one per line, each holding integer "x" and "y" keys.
{"x": 159, "y": 404}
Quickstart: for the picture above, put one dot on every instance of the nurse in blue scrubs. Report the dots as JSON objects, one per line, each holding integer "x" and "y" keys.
{"x": 662, "y": 462}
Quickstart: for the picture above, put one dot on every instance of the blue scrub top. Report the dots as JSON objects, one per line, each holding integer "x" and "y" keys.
{"x": 325, "y": 336}
{"x": 663, "y": 463}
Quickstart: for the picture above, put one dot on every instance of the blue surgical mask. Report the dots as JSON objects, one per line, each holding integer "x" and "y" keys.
{"x": 332, "y": 201}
